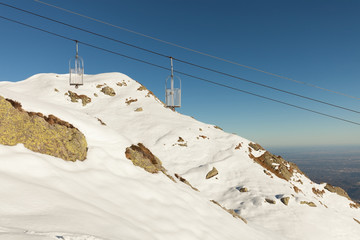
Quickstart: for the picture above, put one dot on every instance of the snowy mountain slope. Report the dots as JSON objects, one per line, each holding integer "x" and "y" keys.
{"x": 107, "y": 197}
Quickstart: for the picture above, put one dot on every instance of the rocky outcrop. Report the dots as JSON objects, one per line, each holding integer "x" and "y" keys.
{"x": 74, "y": 97}
{"x": 285, "y": 200}
{"x": 337, "y": 190}
{"x": 212, "y": 173}
{"x": 108, "y": 91}
{"x": 143, "y": 157}
{"x": 310, "y": 204}
{"x": 44, "y": 134}
{"x": 275, "y": 164}
{"x": 185, "y": 181}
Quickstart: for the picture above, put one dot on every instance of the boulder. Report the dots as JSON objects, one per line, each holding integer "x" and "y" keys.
{"x": 285, "y": 200}
{"x": 108, "y": 91}
{"x": 212, "y": 173}
{"x": 44, "y": 134}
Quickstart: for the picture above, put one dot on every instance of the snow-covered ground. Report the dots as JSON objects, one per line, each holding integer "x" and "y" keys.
{"x": 106, "y": 197}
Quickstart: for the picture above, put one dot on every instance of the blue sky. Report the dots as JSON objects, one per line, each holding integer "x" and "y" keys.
{"x": 317, "y": 42}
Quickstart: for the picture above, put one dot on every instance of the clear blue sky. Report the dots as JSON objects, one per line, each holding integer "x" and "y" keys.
{"x": 315, "y": 41}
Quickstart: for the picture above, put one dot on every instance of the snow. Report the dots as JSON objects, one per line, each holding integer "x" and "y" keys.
{"x": 106, "y": 197}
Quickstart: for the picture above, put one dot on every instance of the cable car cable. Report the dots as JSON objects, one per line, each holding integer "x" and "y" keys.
{"x": 200, "y": 52}
{"x": 185, "y": 74}
{"x": 186, "y": 62}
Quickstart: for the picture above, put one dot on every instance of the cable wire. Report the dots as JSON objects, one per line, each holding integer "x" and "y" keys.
{"x": 185, "y": 62}
{"x": 200, "y": 52}
{"x": 183, "y": 73}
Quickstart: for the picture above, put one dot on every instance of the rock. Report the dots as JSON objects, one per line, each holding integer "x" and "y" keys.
{"x": 108, "y": 91}
{"x": 185, "y": 181}
{"x": 48, "y": 135}
{"x": 142, "y": 157}
{"x": 212, "y": 173}
{"x": 276, "y": 165}
{"x": 129, "y": 101}
{"x": 75, "y": 97}
{"x": 271, "y": 201}
{"x": 285, "y": 200}
{"x": 243, "y": 189}
{"x": 337, "y": 190}
{"x": 311, "y": 204}
{"x": 140, "y": 109}
{"x": 356, "y": 220}
{"x": 256, "y": 146}
{"x": 231, "y": 211}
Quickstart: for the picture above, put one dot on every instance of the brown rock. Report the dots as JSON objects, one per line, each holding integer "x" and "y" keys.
{"x": 108, "y": 91}
{"x": 271, "y": 201}
{"x": 243, "y": 189}
{"x": 75, "y": 97}
{"x": 44, "y": 134}
{"x": 212, "y": 173}
{"x": 337, "y": 190}
{"x": 311, "y": 204}
{"x": 285, "y": 200}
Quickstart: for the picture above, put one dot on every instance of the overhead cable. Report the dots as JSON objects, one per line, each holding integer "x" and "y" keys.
{"x": 183, "y": 73}
{"x": 183, "y": 61}
{"x": 199, "y": 52}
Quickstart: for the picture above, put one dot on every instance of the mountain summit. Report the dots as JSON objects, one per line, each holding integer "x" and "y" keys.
{"x": 109, "y": 161}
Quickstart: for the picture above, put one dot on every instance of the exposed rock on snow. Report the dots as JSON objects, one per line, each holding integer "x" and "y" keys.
{"x": 213, "y": 172}
{"x": 243, "y": 189}
{"x": 185, "y": 181}
{"x": 311, "y": 204}
{"x": 75, "y": 97}
{"x": 271, "y": 201}
{"x": 276, "y": 164}
{"x": 47, "y": 135}
{"x": 337, "y": 190}
{"x": 285, "y": 200}
{"x": 108, "y": 91}
{"x": 142, "y": 157}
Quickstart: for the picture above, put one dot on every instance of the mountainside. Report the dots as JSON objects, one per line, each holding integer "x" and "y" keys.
{"x": 151, "y": 173}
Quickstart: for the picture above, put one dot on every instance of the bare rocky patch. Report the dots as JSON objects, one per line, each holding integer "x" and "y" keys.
{"x": 108, "y": 91}
{"x": 213, "y": 172}
{"x": 310, "y": 204}
{"x": 128, "y": 101}
{"x": 185, "y": 181}
{"x": 275, "y": 164}
{"x": 74, "y": 97}
{"x": 143, "y": 157}
{"x": 44, "y": 134}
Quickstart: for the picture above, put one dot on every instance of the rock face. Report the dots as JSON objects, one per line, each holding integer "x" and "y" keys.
{"x": 142, "y": 157}
{"x": 276, "y": 164}
{"x": 108, "y": 91}
{"x": 75, "y": 97}
{"x": 47, "y": 135}
{"x": 337, "y": 190}
{"x": 212, "y": 173}
{"x": 285, "y": 200}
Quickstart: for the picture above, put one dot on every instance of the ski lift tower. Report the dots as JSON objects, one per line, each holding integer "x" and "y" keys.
{"x": 172, "y": 93}
{"x": 76, "y": 69}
